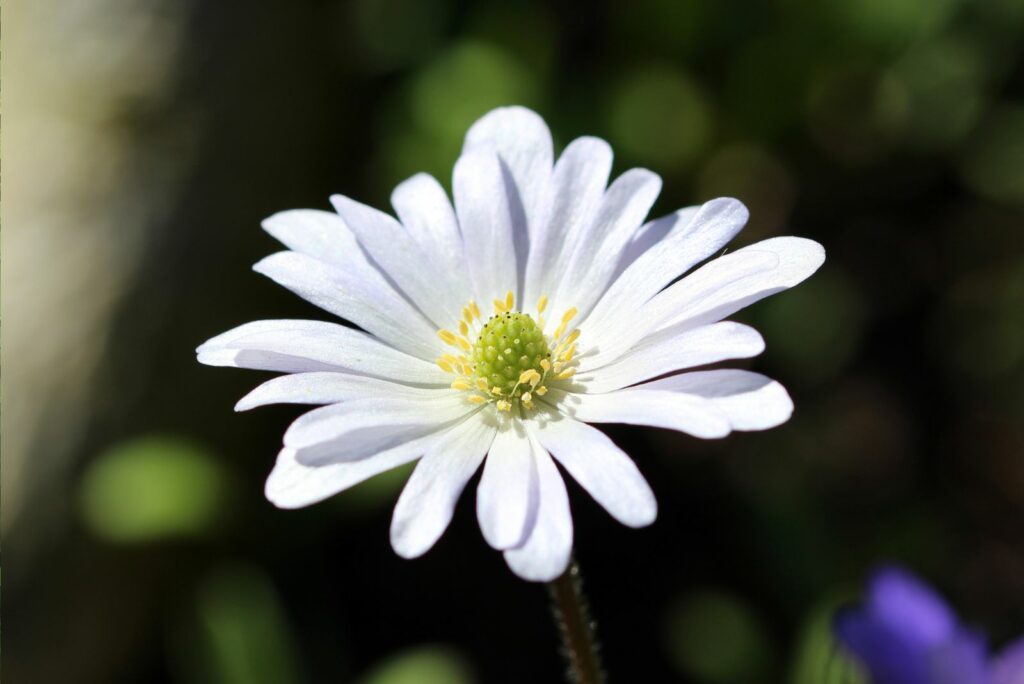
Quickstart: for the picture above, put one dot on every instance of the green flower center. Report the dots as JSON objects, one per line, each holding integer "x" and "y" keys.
{"x": 509, "y": 345}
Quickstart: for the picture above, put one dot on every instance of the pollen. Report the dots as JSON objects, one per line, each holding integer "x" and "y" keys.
{"x": 507, "y": 360}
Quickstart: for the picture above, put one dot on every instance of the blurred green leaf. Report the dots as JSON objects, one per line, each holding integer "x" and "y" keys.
{"x": 817, "y": 658}
{"x": 716, "y": 637}
{"x": 245, "y": 635}
{"x": 424, "y": 665}
{"x": 152, "y": 488}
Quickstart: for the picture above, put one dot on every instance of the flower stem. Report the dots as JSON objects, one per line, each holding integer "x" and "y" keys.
{"x": 572, "y": 615}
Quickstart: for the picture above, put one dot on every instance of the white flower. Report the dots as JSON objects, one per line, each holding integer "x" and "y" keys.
{"x": 541, "y": 302}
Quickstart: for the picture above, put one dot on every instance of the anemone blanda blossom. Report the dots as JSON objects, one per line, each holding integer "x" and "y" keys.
{"x": 499, "y": 325}
{"x": 905, "y": 633}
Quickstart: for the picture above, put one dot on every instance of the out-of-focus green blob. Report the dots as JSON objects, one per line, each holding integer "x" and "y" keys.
{"x": 659, "y": 116}
{"x": 944, "y": 81}
{"x": 818, "y": 659}
{"x": 392, "y": 33}
{"x": 464, "y": 83}
{"x": 994, "y": 167}
{"x": 716, "y": 637}
{"x": 245, "y": 636}
{"x": 814, "y": 330}
{"x": 892, "y": 24}
{"x": 153, "y": 488}
{"x": 424, "y": 665}
{"x": 444, "y": 99}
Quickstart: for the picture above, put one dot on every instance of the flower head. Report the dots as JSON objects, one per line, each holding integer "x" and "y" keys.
{"x": 905, "y": 633}
{"x": 499, "y": 326}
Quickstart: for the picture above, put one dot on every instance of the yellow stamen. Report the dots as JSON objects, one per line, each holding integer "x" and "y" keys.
{"x": 481, "y": 384}
{"x": 476, "y": 399}
{"x": 542, "y": 304}
{"x": 499, "y": 306}
{"x": 444, "y": 365}
{"x": 447, "y": 336}
{"x": 569, "y": 315}
{"x": 463, "y": 328}
{"x": 567, "y": 373}
{"x": 542, "y": 390}
{"x": 545, "y": 364}
{"x": 461, "y": 385}
{"x": 504, "y": 405}
{"x": 464, "y": 343}
{"x": 510, "y": 300}
{"x": 474, "y": 308}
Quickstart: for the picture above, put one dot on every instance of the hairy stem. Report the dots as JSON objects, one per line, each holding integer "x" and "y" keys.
{"x": 572, "y": 615}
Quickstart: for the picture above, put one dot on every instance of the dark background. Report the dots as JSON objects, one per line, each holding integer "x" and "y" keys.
{"x": 150, "y": 138}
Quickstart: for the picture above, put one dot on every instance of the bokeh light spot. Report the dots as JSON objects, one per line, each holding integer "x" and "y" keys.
{"x": 151, "y": 488}
{"x": 716, "y": 637}
{"x": 659, "y": 116}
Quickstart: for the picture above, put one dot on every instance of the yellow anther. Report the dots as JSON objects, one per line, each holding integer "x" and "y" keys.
{"x": 476, "y": 399}
{"x": 569, "y": 353}
{"x": 450, "y": 359}
{"x": 444, "y": 365}
{"x": 567, "y": 373}
{"x": 461, "y": 385}
{"x": 474, "y": 308}
{"x": 560, "y": 329}
{"x": 569, "y": 315}
{"x": 510, "y": 300}
{"x": 526, "y": 375}
{"x": 535, "y": 380}
{"x": 467, "y": 314}
{"x": 504, "y": 405}
{"x": 447, "y": 335}
{"x": 542, "y": 304}
{"x": 540, "y": 322}
{"x": 463, "y": 328}
{"x": 541, "y": 391}
{"x": 573, "y": 336}
{"x": 499, "y": 306}
{"x": 527, "y": 400}
{"x": 496, "y": 391}
{"x": 481, "y": 385}
{"x": 464, "y": 343}
{"x": 545, "y": 364}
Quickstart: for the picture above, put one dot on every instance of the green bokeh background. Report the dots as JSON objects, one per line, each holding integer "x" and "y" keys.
{"x": 139, "y": 545}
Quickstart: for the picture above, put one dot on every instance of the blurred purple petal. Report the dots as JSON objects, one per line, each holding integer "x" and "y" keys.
{"x": 909, "y": 607}
{"x": 962, "y": 660}
{"x": 1008, "y": 666}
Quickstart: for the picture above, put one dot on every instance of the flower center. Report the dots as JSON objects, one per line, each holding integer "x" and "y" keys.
{"x": 512, "y": 359}
{"x": 509, "y": 347}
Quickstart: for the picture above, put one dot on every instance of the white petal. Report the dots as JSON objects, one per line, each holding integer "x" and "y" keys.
{"x": 489, "y": 218}
{"x": 294, "y": 346}
{"x": 294, "y": 484}
{"x": 506, "y": 499}
{"x": 428, "y": 500}
{"x": 360, "y": 297}
{"x": 577, "y": 186}
{"x": 653, "y": 232}
{"x": 665, "y": 353}
{"x": 319, "y": 234}
{"x": 656, "y": 408}
{"x": 401, "y": 258}
{"x": 714, "y": 224}
{"x": 601, "y": 468}
{"x": 323, "y": 388}
{"x": 522, "y": 140}
{"x": 734, "y": 281}
{"x": 599, "y": 248}
{"x": 545, "y": 553}
{"x": 426, "y": 212}
{"x": 361, "y": 427}
{"x": 751, "y": 401}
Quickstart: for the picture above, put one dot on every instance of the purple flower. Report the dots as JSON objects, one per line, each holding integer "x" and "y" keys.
{"x": 905, "y": 633}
